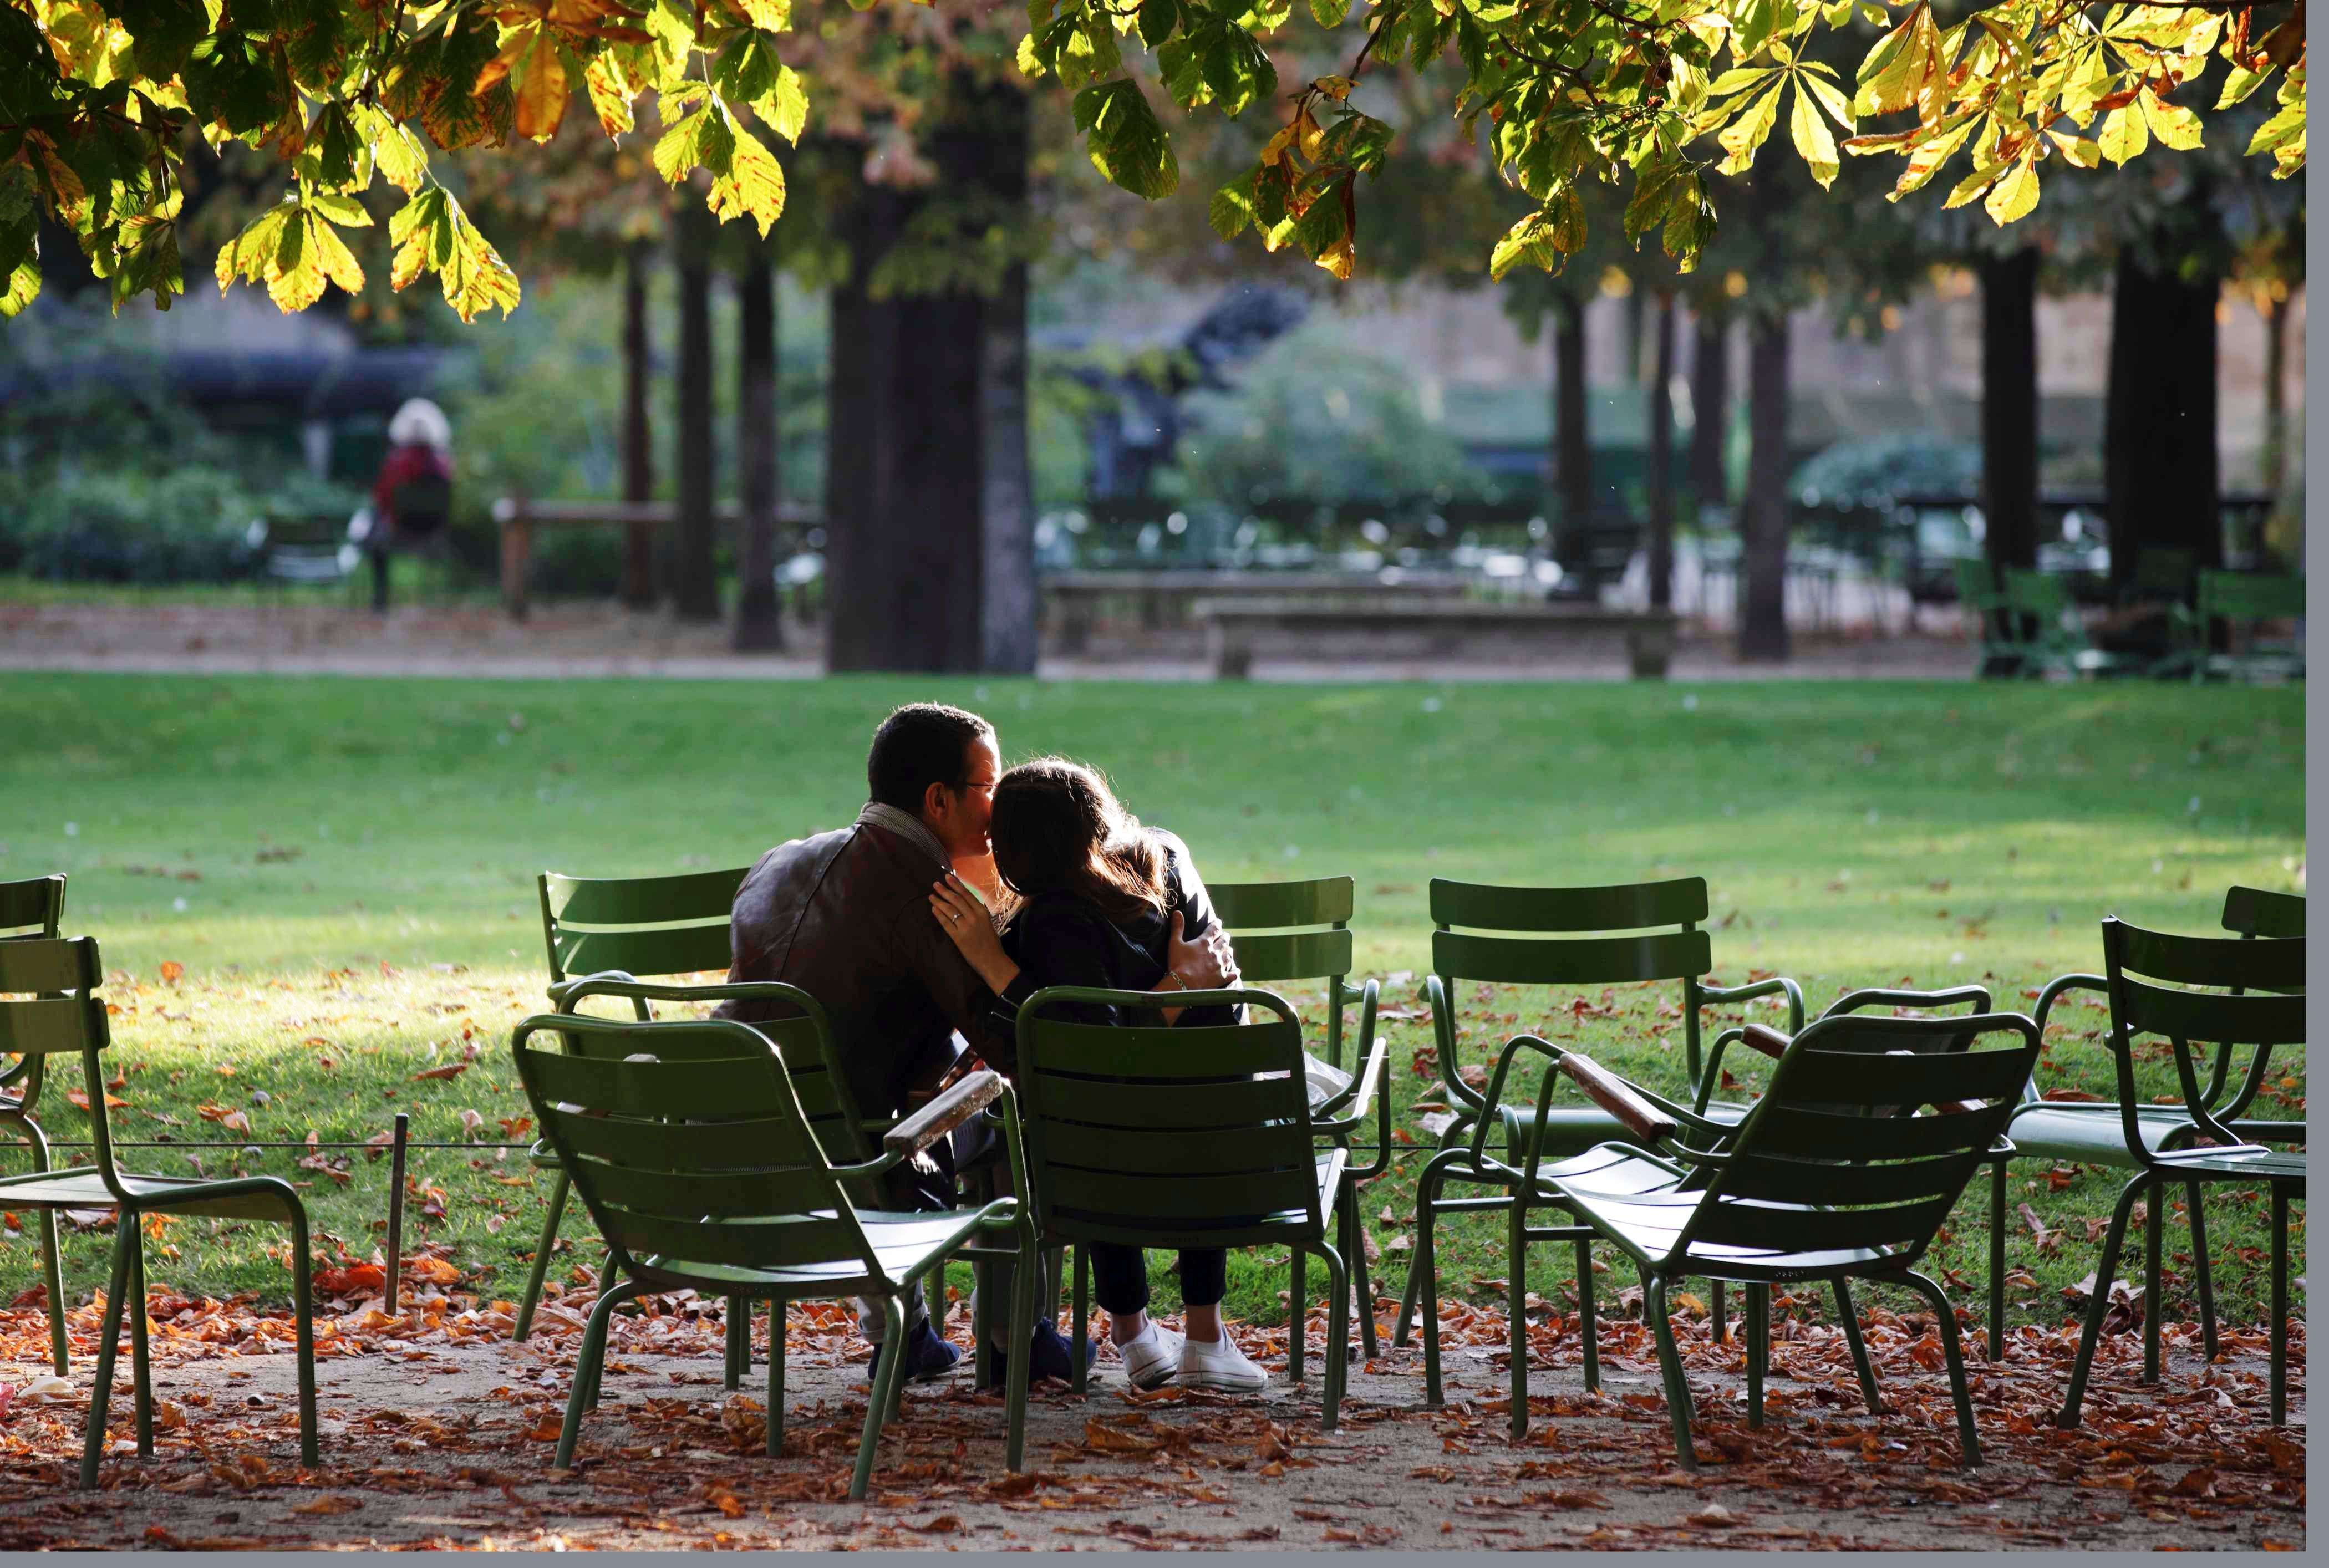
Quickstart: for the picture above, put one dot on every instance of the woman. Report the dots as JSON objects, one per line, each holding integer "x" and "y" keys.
{"x": 413, "y": 494}
{"x": 1099, "y": 896}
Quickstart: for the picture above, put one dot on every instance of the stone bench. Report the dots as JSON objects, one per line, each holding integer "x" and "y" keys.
{"x": 1643, "y": 641}
{"x": 1073, "y": 600}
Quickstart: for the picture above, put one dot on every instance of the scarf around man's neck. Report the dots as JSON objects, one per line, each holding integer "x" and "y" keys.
{"x": 907, "y": 826}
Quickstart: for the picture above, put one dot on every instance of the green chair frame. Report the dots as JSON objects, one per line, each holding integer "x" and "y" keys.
{"x": 2091, "y": 1132}
{"x": 1538, "y": 942}
{"x": 63, "y": 974}
{"x": 35, "y": 909}
{"x": 599, "y": 935}
{"x": 1154, "y": 1137}
{"x": 1836, "y": 1174}
{"x": 1291, "y": 931}
{"x": 745, "y": 1202}
{"x": 2245, "y": 600}
{"x": 2149, "y": 973}
{"x": 2060, "y": 641}
{"x": 1996, "y": 628}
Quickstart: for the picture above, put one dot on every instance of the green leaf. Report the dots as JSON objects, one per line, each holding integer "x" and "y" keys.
{"x": 346, "y": 210}
{"x": 431, "y": 233}
{"x": 1126, "y": 142}
{"x": 1231, "y": 208}
{"x": 1329, "y": 13}
{"x": 1235, "y": 67}
{"x": 1544, "y": 239}
{"x": 2240, "y": 83}
{"x": 1744, "y": 135}
{"x": 785, "y": 108}
{"x": 24, "y": 287}
{"x": 165, "y": 31}
{"x": 1157, "y": 19}
{"x": 747, "y": 68}
{"x": 2285, "y": 128}
{"x": 336, "y": 146}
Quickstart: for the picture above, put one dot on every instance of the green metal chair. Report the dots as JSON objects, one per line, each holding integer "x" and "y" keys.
{"x": 1996, "y": 629}
{"x": 1550, "y": 951}
{"x": 2245, "y": 601}
{"x": 2060, "y": 643}
{"x": 34, "y": 910}
{"x": 745, "y": 1201}
{"x": 600, "y": 936}
{"x": 1154, "y": 1137}
{"x": 1300, "y": 931}
{"x": 1844, "y": 1170}
{"x": 2151, "y": 974}
{"x": 2094, "y": 1132}
{"x": 68, "y": 1015}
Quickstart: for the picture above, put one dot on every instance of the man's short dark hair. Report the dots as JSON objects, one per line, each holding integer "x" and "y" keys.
{"x": 920, "y": 744}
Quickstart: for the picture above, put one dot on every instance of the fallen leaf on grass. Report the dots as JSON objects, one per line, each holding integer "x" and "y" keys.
{"x": 330, "y": 1504}
{"x": 172, "y": 971}
{"x": 79, "y": 1098}
{"x": 449, "y": 1070}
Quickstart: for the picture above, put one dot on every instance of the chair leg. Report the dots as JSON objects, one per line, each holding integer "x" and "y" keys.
{"x": 141, "y": 1366}
{"x": 1678, "y": 1407}
{"x": 100, "y": 1393}
{"x": 532, "y": 1297}
{"x": 2279, "y": 1303}
{"x": 1363, "y": 1295}
{"x": 738, "y": 1324}
{"x": 1082, "y": 1336}
{"x": 2153, "y": 1309}
{"x": 1516, "y": 1310}
{"x": 1336, "y": 1371}
{"x": 1297, "y": 1332}
{"x": 777, "y": 1378}
{"x": 1720, "y": 1320}
{"x": 1409, "y": 1295}
{"x": 1423, "y": 1279}
{"x": 1858, "y": 1347}
{"x": 51, "y": 1271}
{"x": 303, "y": 1317}
{"x": 1758, "y": 1347}
{"x": 886, "y": 1384}
{"x": 1997, "y": 1259}
{"x": 1947, "y": 1327}
{"x": 1021, "y": 1329}
{"x": 587, "y": 1362}
{"x": 1588, "y": 1328}
{"x": 2100, "y": 1303}
{"x": 2193, "y": 1191}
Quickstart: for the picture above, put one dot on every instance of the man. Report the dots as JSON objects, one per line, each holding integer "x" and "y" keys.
{"x": 847, "y": 917}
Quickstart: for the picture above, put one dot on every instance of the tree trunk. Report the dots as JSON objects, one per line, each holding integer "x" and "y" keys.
{"x": 1709, "y": 408}
{"x": 1661, "y": 453}
{"x": 2009, "y": 408}
{"x": 2159, "y": 423}
{"x": 2276, "y": 402}
{"x": 1763, "y": 538}
{"x": 694, "y": 589}
{"x": 930, "y": 553}
{"x": 638, "y": 442}
{"x": 756, "y": 625}
{"x": 1572, "y": 456}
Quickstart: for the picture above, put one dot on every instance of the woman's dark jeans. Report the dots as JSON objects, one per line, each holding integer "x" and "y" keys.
{"x": 1120, "y": 1277}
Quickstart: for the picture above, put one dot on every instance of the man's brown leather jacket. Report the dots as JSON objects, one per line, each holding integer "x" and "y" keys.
{"x": 846, "y": 915}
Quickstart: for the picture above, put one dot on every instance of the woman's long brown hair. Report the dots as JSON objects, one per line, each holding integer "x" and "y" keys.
{"x": 1058, "y": 828}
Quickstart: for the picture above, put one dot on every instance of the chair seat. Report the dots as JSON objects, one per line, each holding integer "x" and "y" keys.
{"x": 903, "y": 1244}
{"x": 1640, "y": 1206}
{"x": 2245, "y": 1163}
{"x": 180, "y": 1194}
{"x": 1570, "y": 1130}
{"x": 2091, "y": 1132}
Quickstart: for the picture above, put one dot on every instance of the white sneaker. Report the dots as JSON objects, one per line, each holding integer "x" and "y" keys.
{"x": 1220, "y": 1364}
{"x": 1151, "y": 1358}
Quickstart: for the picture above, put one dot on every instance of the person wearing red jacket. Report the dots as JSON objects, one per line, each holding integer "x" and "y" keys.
{"x": 413, "y": 496}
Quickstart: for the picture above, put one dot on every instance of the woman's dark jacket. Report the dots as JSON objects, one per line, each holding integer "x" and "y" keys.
{"x": 1061, "y": 938}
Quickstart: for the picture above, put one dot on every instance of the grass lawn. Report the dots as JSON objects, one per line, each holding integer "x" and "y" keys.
{"x": 339, "y": 874}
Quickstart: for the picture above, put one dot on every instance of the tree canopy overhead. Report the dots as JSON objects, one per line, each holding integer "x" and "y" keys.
{"x": 97, "y": 99}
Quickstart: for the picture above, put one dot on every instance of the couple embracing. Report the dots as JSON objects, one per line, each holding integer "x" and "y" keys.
{"x": 880, "y": 922}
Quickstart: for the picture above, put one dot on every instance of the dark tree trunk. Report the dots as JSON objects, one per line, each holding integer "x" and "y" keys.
{"x": 1661, "y": 444}
{"x": 638, "y": 441}
{"x": 1709, "y": 408}
{"x": 757, "y": 624}
{"x": 1572, "y": 456}
{"x": 2275, "y": 399}
{"x": 931, "y": 554}
{"x": 2159, "y": 424}
{"x": 1763, "y": 538}
{"x": 2009, "y": 408}
{"x": 695, "y": 590}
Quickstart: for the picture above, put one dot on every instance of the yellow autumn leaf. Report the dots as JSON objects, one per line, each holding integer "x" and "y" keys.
{"x": 537, "y": 88}
{"x": 339, "y": 263}
{"x": 752, "y": 184}
{"x": 1812, "y": 139}
{"x": 1750, "y": 131}
{"x": 2123, "y": 135}
{"x": 2016, "y": 194}
{"x": 611, "y": 93}
{"x": 2175, "y": 125}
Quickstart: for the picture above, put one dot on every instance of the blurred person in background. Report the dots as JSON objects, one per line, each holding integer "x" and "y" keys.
{"x": 412, "y": 499}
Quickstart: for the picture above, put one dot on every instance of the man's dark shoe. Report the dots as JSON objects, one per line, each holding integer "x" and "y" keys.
{"x": 1053, "y": 1357}
{"x": 928, "y": 1358}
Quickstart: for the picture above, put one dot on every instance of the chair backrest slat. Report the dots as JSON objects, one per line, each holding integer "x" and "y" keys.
{"x": 1279, "y": 906}
{"x": 1271, "y": 957}
{"x": 2251, "y": 595}
{"x": 1805, "y": 1131}
{"x": 34, "y": 906}
{"x": 709, "y": 1194}
{"x": 1572, "y": 960}
{"x": 642, "y": 925}
{"x": 2265, "y": 963}
{"x": 31, "y": 964}
{"x": 769, "y": 1246}
{"x": 2254, "y": 912}
{"x": 1826, "y": 1078}
{"x": 1100, "y": 1106}
{"x": 1624, "y": 907}
{"x": 2198, "y": 1016}
{"x": 1776, "y": 1180}
{"x": 680, "y": 1145}
{"x": 51, "y": 1024}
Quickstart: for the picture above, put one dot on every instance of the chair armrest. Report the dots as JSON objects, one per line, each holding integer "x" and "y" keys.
{"x": 942, "y": 1116}
{"x": 1620, "y": 1098}
{"x": 1778, "y": 985}
{"x": 1976, "y": 994}
{"x": 1352, "y": 1100}
{"x": 1763, "y": 1038}
{"x": 614, "y": 982}
{"x": 2055, "y": 989}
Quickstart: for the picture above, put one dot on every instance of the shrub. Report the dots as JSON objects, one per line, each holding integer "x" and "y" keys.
{"x": 124, "y": 526}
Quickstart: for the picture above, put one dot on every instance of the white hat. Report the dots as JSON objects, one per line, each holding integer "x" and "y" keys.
{"x": 420, "y": 423}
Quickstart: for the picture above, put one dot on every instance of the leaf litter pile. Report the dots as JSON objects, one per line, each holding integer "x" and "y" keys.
{"x": 437, "y": 1432}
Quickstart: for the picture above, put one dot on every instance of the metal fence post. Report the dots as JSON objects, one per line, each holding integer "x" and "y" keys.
{"x": 396, "y": 1208}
